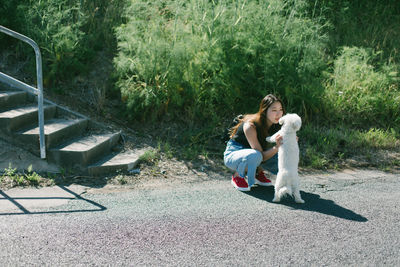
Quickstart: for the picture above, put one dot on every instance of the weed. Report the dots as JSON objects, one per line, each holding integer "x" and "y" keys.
{"x": 52, "y": 177}
{"x": 18, "y": 179}
{"x": 32, "y": 177}
{"x": 166, "y": 148}
{"x": 10, "y": 171}
{"x": 11, "y": 177}
{"x": 150, "y": 156}
{"x": 12, "y": 174}
{"x": 121, "y": 179}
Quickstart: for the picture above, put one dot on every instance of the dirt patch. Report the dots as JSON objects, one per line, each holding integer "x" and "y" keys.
{"x": 163, "y": 171}
{"x": 15, "y": 157}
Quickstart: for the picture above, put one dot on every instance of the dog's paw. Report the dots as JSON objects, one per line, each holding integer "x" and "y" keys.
{"x": 299, "y": 201}
{"x": 276, "y": 200}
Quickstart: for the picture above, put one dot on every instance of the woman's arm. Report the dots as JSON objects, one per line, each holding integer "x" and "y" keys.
{"x": 251, "y": 134}
{"x": 267, "y": 154}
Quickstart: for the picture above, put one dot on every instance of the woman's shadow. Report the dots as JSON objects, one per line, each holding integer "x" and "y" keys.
{"x": 313, "y": 203}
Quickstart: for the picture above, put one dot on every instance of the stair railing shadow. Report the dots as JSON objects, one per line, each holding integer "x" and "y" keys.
{"x": 25, "y": 211}
{"x": 314, "y": 203}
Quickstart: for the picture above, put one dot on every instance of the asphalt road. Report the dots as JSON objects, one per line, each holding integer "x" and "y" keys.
{"x": 349, "y": 218}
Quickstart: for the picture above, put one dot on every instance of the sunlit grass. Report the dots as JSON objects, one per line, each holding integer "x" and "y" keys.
{"x": 324, "y": 147}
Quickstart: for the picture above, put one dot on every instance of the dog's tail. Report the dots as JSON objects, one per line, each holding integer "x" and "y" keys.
{"x": 284, "y": 191}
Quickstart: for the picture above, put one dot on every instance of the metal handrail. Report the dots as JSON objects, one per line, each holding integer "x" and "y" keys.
{"x": 21, "y": 85}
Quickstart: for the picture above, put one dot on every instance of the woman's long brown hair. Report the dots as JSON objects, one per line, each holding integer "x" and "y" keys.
{"x": 259, "y": 118}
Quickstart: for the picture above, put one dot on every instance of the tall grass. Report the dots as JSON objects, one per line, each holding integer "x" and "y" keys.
{"x": 361, "y": 94}
{"x": 361, "y": 23}
{"x": 56, "y": 27}
{"x": 7, "y": 19}
{"x": 69, "y": 33}
{"x": 206, "y": 59}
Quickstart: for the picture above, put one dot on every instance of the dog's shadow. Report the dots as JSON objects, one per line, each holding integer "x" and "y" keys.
{"x": 313, "y": 203}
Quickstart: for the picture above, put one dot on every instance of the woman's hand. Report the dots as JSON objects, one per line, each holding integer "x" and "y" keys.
{"x": 279, "y": 140}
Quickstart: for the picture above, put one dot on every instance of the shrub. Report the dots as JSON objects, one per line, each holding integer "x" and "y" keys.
{"x": 68, "y": 33}
{"x": 7, "y": 19}
{"x": 56, "y": 27}
{"x": 207, "y": 59}
{"x": 362, "y": 95}
{"x": 100, "y": 19}
{"x": 361, "y": 23}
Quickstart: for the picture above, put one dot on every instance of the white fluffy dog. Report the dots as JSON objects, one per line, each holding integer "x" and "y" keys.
{"x": 287, "y": 180}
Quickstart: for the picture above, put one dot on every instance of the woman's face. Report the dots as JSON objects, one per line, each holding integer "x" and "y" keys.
{"x": 274, "y": 113}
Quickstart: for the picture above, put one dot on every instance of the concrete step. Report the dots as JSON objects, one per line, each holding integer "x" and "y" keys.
{"x": 122, "y": 161}
{"x": 84, "y": 151}
{"x": 17, "y": 118}
{"x": 56, "y": 131}
{"x": 10, "y": 99}
{"x": 72, "y": 140}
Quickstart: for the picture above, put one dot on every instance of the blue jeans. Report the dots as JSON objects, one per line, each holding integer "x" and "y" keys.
{"x": 238, "y": 158}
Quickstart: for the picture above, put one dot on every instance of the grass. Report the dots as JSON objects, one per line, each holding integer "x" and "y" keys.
{"x": 12, "y": 178}
{"x": 150, "y": 157}
{"x": 327, "y": 148}
{"x": 362, "y": 93}
{"x": 197, "y": 61}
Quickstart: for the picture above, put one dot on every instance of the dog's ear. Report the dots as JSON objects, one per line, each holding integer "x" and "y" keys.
{"x": 297, "y": 123}
{"x": 282, "y": 120}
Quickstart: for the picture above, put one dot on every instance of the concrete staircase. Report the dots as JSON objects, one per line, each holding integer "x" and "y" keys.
{"x": 73, "y": 141}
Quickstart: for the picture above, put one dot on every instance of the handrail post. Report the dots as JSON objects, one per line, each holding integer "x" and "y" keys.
{"x": 39, "y": 75}
{"x": 39, "y": 90}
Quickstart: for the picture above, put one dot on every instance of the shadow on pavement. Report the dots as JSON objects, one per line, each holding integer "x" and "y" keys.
{"x": 75, "y": 196}
{"x": 313, "y": 203}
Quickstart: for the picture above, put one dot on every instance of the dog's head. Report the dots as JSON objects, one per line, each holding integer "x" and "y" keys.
{"x": 291, "y": 121}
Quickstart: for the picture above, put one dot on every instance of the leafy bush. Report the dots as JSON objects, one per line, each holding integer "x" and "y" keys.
{"x": 363, "y": 95}
{"x": 211, "y": 58}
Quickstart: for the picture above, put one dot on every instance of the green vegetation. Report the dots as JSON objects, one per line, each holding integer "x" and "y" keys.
{"x": 332, "y": 146}
{"x": 11, "y": 177}
{"x": 202, "y": 58}
{"x": 150, "y": 156}
{"x": 69, "y": 33}
{"x": 361, "y": 94}
{"x": 198, "y": 63}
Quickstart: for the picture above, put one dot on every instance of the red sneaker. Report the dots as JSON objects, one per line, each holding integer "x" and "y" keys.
{"x": 240, "y": 183}
{"x": 261, "y": 179}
